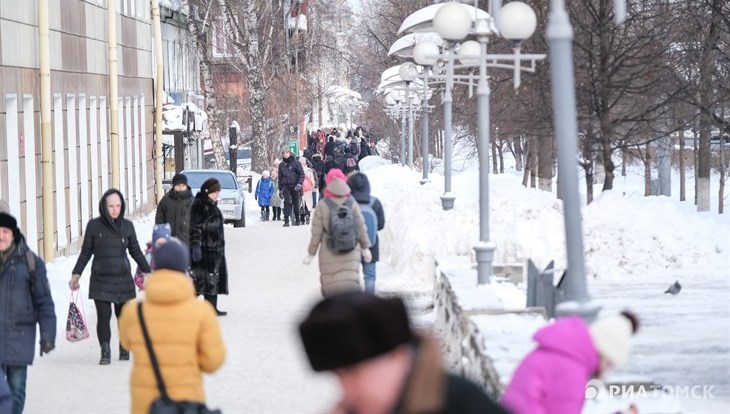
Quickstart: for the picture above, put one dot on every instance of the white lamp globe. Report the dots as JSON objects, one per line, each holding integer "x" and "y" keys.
{"x": 423, "y": 51}
{"x": 471, "y": 50}
{"x": 452, "y": 21}
{"x": 517, "y": 21}
{"x": 408, "y": 71}
{"x": 389, "y": 100}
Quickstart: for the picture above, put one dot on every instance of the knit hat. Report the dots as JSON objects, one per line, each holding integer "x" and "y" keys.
{"x": 160, "y": 231}
{"x": 8, "y": 221}
{"x": 611, "y": 336}
{"x": 265, "y": 173}
{"x": 285, "y": 149}
{"x": 172, "y": 255}
{"x": 352, "y": 327}
{"x": 336, "y": 185}
{"x": 211, "y": 185}
{"x": 179, "y": 178}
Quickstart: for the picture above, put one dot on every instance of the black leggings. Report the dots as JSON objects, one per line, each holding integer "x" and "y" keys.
{"x": 291, "y": 202}
{"x": 104, "y": 317}
{"x": 265, "y": 209}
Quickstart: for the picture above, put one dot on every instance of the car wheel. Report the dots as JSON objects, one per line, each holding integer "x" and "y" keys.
{"x": 241, "y": 222}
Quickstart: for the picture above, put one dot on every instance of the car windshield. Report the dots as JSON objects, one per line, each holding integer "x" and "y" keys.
{"x": 197, "y": 178}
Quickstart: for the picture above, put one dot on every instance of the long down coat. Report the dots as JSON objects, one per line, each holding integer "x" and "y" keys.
{"x": 185, "y": 336}
{"x": 206, "y": 229}
{"x": 338, "y": 272}
{"x": 108, "y": 241}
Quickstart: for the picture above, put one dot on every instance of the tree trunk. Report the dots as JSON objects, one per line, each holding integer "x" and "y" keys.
{"x": 588, "y": 169}
{"x": 703, "y": 165}
{"x": 201, "y": 50}
{"x": 500, "y": 148}
{"x": 721, "y": 191}
{"x": 608, "y": 165}
{"x": 695, "y": 154}
{"x": 682, "y": 167}
{"x": 624, "y": 160}
{"x": 526, "y": 174}
{"x": 494, "y": 157}
{"x": 256, "y": 87}
{"x": 647, "y": 171}
{"x": 533, "y": 166}
{"x": 517, "y": 143}
{"x": 545, "y": 162}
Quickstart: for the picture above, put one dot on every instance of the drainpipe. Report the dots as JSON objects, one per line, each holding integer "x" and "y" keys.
{"x": 158, "y": 99}
{"x": 113, "y": 95}
{"x": 46, "y": 137}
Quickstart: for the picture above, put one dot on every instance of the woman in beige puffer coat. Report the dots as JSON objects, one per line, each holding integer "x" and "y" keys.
{"x": 338, "y": 271}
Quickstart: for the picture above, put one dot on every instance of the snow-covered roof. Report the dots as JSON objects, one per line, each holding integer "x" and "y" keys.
{"x": 422, "y": 20}
{"x": 174, "y": 5}
{"x": 403, "y": 47}
{"x": 172, "y": 117}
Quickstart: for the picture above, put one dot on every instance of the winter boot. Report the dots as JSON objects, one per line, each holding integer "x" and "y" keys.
{"x": 106, "y": 354}
{"x": 263, "y": 216}
{"x": 308, "y": 218}
{"x": 267, "y": 216}
{"x": 213, "y": 299}
{"x": 123, "y": 354}
{"x": 286, "y": 221}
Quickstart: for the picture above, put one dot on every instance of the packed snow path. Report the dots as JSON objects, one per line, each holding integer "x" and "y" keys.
{"x": 265, "y": 370}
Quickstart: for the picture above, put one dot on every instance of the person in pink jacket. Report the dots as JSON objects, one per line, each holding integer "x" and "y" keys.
{"x": 552, "y": 378}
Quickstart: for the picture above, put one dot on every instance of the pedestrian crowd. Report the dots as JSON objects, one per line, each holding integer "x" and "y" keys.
{"x": 382, "y": 364}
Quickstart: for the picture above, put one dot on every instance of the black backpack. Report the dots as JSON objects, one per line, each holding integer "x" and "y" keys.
{"x": 342, "y": 234}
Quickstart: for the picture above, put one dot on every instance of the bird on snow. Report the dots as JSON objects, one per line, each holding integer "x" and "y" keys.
{"x": 674, "y": 288}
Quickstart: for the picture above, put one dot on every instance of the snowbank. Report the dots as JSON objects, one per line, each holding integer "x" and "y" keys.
{"x": 623, "y": 237}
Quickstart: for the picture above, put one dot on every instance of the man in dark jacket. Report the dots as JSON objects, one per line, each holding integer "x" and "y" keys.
{"x": 318, "y": 167}
{"x": 174, "y": 208}
{"x": 329, "y": 148}
{"x": 291, "y": 178}
{"x": 361, "y": 337}
{"x": 108, "y": 238}
{"x": 360, "y": 187}
{"x": 364, "y": 149}
{"x": 25, "y": 300}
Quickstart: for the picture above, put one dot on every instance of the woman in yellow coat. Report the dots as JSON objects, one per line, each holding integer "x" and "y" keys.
{"x": 185, "y": 334}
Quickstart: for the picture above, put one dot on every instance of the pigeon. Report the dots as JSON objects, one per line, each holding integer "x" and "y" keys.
{"x": 674, "y": 288}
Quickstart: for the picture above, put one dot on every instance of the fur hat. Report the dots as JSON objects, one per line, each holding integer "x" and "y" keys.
{"x": 179, "y": 178}
{"x": 211, "y": 185}
{"x": 352, "y": 327}
{"x": 611, "y": 336}
{"x": 172, "y": 255}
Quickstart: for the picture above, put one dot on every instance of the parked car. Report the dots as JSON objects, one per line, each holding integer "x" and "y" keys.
{"x": 231, "y": 202}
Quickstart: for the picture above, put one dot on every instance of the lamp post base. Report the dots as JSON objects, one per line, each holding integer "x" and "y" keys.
{"x": 447, "y": 201}
{"x": 587, "y": 310}
{"x": 424, "y": 181}
{"x": 485, "y": 258}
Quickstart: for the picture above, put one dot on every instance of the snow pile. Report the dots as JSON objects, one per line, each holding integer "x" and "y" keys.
{"x": 620, "y": 234}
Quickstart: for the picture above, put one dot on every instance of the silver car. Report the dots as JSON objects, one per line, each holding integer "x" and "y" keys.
{"x": 231, "y": 201}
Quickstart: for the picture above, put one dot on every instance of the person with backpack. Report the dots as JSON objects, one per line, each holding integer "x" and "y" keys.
{"x": 339, "y": 159}
{"x": 340, "y": 235}
{"x": 372, "y": 211}
{"x": 26, "y": 302}
{"x": 264, "y": 191}
{"x": 354, "y": 146}
{"x": 350, "y": 162}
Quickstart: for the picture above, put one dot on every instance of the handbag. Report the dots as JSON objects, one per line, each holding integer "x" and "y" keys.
{"x": 164, "y": 404}
{"x": 76, "y": 328}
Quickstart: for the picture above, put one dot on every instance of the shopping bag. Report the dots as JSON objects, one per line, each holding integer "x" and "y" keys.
{"x": 76, "y": 328}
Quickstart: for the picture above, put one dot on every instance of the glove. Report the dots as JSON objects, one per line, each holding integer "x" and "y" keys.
{"x": 46, "y": 346}
{"x": 308, "y": 260}
{"x": 298, "y": 188}
{"x": 197, "y": 254}
{"x": 74, "y": 282}
{"x": 367, "y": 256}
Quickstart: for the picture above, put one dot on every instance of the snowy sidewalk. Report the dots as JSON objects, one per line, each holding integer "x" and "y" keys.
{"x": 265, "y": 371}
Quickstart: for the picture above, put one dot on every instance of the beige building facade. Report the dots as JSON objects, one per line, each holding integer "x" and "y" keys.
{"x": 80, "y": 113}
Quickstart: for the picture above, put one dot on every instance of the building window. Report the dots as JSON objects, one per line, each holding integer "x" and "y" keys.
{"x": 222, "y": 43}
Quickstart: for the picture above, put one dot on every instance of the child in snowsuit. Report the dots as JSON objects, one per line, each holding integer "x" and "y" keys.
{"x": 161, "y": 233}
{"x": 264, "y": 190}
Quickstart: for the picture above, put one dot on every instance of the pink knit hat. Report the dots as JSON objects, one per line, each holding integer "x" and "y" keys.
{"x": 336, "y": 184}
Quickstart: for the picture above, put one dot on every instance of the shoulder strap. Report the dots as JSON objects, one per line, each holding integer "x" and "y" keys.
{"x": 153, "y": 358}
{"x": 371, "y": 201}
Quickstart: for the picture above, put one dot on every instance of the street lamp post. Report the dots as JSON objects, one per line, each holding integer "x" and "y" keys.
{"x": 424, "y": 132}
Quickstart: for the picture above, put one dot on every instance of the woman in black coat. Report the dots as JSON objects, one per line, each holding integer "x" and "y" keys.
{"x": 108, "y": 238}
{"x": 208, "y": 245}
